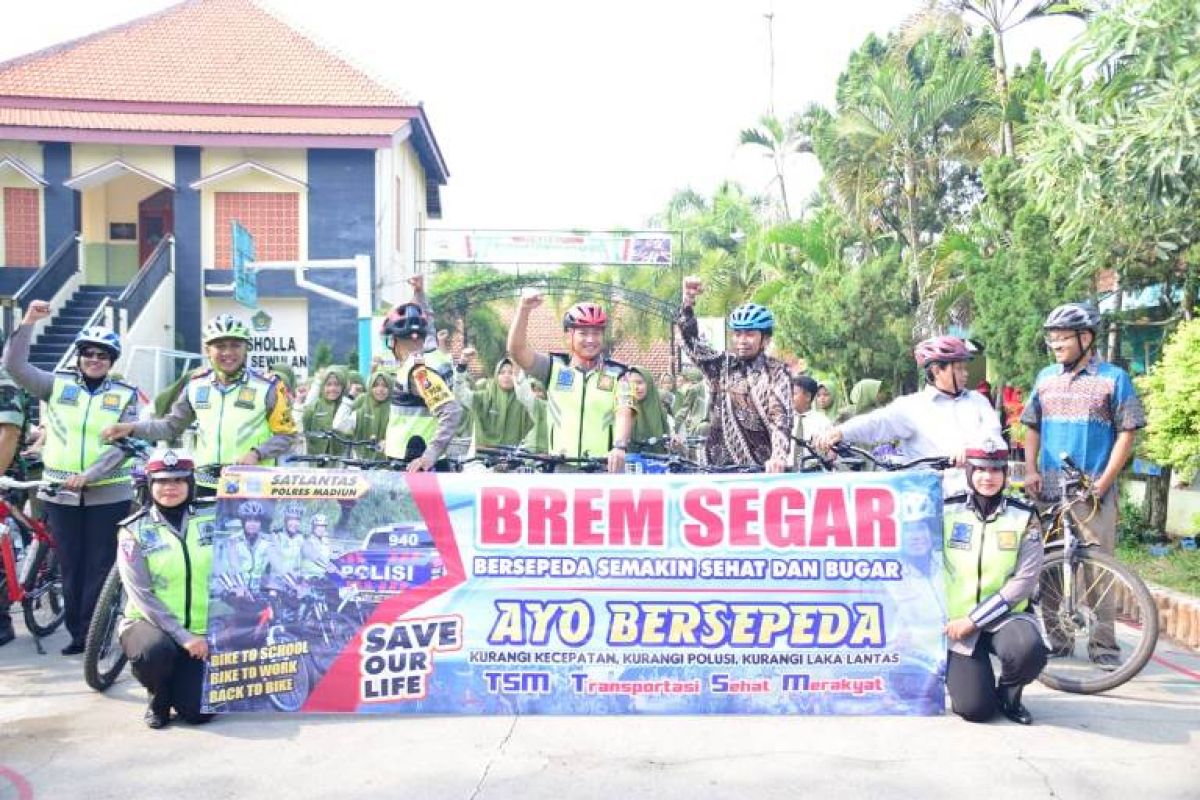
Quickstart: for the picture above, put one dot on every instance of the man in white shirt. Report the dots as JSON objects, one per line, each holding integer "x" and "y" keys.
{"x": 939, "y": 420}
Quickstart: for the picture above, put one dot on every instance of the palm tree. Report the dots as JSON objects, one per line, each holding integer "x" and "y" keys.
{"x": 778, "y": 140}
{"x": 949, "y": 17}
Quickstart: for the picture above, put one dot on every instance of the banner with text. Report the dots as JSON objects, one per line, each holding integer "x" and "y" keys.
{"x": 577, "y": 594}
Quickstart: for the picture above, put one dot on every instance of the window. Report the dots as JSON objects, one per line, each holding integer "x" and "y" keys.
{"x": 22, "y": 227}
{"x": 273, "y": 219}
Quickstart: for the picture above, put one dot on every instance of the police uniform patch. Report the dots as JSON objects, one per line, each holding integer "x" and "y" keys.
{"x": 1007, "y": 540}
{"x": 128, "y": 549}
{"x": 70, "y": 395}
{"x": 245, "y": 397}
{"x": 207, "y": 529}
{"x": 605, "y": 383}
{"x": 960, "y": 536}
{"x": 151, "y": 541}
{"x": 111, "y": 402}
{"x": 435, "y": 393}
{"x": 202, "y": 394}
{"x": 565, "y": 380}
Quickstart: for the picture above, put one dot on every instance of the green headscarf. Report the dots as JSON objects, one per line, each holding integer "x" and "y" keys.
{"x": 500, "y": 419}
{"x": 863, "y": 397}
{"x": 371, "y": 416}
{"x": 650, "y": 422}
{"x": 319, "y": 415}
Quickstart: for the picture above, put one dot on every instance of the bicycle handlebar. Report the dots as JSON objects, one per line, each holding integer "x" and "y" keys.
{"x": 334, "y": 436}
{"x": 935, "y": 462}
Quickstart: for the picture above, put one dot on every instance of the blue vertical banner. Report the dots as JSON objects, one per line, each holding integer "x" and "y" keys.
{"x": 578, "y": 594}
{"x": 245, "y": 279}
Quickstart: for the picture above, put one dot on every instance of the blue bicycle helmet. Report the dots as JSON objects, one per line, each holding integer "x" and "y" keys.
{"x": 101, "y": 337}
{"x": 752, "y": 317}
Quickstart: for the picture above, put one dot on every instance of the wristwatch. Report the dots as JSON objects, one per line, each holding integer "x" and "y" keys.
{"x": 620, "y": 445}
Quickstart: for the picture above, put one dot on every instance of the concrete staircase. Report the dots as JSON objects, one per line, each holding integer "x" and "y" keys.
{"x": 57, "y": 337}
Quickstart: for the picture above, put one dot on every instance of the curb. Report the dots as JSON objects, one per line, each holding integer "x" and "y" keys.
{"x": 1178, "y": 616}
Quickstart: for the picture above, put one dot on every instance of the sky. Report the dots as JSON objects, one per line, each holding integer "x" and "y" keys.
{"x": 581, "y": 115}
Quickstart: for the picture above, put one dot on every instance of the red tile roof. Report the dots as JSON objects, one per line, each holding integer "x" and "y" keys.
{"x": 195, "y": 123}
{"x": 200, "y": 51}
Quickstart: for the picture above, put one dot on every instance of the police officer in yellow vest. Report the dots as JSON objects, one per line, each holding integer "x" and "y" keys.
{"x": 165, "y": 564}
{"x": 79, "y": 404}
{"x": 244, "y": 416}
{"x": 424, "y": 413}
{"x": 993, "y": 555}
{"x": 588, "y": 404}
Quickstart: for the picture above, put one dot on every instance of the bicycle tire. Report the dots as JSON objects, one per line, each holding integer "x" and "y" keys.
{"x": 294, "y": 699}
{"x": 1143, "y": 618}
{"x": 103, "y": 657}
{"x": 43, "y": 592}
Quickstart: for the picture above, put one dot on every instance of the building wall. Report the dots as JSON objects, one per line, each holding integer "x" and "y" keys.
{"x": 341, "y": 217}
{"x": 404, "y": 212}
{"x": 110, "y": 261}
{"x": 293, "y": 163}
{"x": 189, "y": 275}
{"x": 60, "y": 204}
{"x": 29, "y": 154}
{"x": 158, "y": 161}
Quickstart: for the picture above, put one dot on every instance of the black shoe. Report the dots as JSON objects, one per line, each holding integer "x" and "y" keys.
{"x": 7, "y": 634}
{"x": 1009, "y": 698}
{"x": 73, "y": 649}
{"x": 155, "y": 719}
{"x": 1106, "y": 661}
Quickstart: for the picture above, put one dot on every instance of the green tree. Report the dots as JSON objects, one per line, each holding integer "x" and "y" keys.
{"x": 778, "y": 139}
{"x": 1171, "y": 393}
{"x": 1119, "y": 144}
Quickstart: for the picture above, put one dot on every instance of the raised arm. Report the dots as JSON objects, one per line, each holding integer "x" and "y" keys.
{"x": 703, "y": 355}
{"x": 518, "y": 337}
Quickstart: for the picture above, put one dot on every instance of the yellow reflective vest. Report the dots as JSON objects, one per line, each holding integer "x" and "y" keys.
{"x": 582, "y": 406}
{"x": 74, "y": 419}
{"x": 422, "y": 387}
{"x": 980, "y": 556}
{"x": 179, "y": 567}
{"x": 230, "y": 419}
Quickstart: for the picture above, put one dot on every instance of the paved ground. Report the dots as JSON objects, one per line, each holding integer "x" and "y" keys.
{"x": 58, "y": 739}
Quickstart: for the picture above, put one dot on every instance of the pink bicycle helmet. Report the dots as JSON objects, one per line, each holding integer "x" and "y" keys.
{"x": 943, "y": 349}
{"x": 584, "y": 315}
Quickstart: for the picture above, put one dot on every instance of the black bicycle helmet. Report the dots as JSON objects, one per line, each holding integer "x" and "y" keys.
{"x": 406, "y": 321}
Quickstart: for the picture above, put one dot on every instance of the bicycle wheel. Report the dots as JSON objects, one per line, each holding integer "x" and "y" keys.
{"x": 292, "y": 699}
{"x": 42, "y": 605}
{"x": 103, "y": 658}
{"x": 1103, "y": 631}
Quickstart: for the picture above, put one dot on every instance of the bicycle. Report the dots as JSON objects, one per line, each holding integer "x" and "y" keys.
{"x": 1082, "y": 592}
{"x": 33, "y": 577}
{"x": 519, "y": 460}
{"x": 676, "y": 464}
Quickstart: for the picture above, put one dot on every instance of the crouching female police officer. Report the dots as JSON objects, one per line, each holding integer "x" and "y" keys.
{"x": 165, "y": 560}
{"x": 993, "y": 554}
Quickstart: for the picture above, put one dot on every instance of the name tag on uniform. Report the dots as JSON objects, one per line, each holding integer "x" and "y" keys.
{"x": 1008, "y": 540}
{"x": 960, "y": 536}
{"x": 207, "y": 529}
{"x": 245, "y": 398}
{"x": 70, "y": 395}
{"x": 111, "y": 402}
{"x": 202, "y": 393}
{"x": 565, "y": 380}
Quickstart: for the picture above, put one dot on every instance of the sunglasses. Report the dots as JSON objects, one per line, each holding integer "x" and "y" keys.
{"x": 96, "y": 355}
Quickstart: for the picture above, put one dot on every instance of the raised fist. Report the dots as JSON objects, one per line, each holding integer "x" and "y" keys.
{"x": 531, "y": 298}
{"x": 468, "y": 353}
{"x": 692, "y": 287}
{"x": 417, "y": 282}
{"x": 37, "y": 311}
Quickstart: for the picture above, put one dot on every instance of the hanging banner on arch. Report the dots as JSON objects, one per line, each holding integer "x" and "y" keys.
{"x": 364, "y": 592}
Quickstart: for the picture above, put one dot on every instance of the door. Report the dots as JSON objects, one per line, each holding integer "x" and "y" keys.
{"x": 156, "y": 219}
